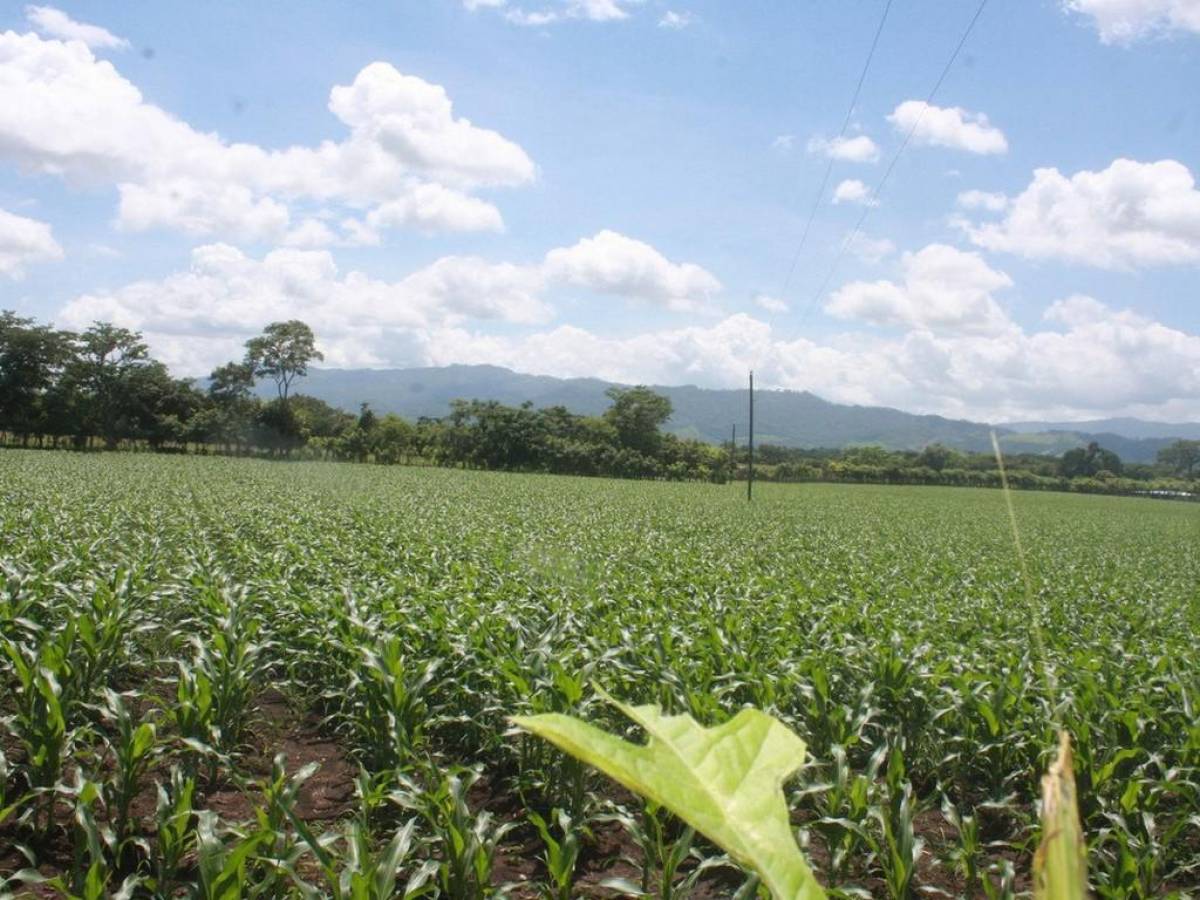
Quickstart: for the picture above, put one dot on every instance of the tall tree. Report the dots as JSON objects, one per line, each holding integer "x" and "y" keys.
{"x": 1182, "y": 456}
{"x": 106, "y": 362}
{"x": 282, "y": 352}
{"x": 229, "y": 416}
{"x": 637, "y": 413}
{"x": 231, "y": 382}
{"x": 32, "y": 357}
{"x": 1089, "y": 461}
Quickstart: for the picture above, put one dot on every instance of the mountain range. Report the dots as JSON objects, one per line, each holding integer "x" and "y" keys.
{"x": 789, "y": 418}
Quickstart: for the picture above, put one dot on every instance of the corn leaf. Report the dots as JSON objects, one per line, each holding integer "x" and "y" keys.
{"x": 725, "y": 781}
{"x": 1060, "y": 866}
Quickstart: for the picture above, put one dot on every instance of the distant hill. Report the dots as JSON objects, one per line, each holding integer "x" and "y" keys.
{"x": 1125, "y": 427}
{"x": 790, "y": 418}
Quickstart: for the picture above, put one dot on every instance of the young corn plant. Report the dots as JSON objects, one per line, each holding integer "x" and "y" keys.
{"x": 232, "y": 660}
{"x": 356, "y": 868}
{"x": 560, "y": 855}
{"x": 663, "y": 856}
{"x": 967, "y": 855}
{"x": 900, "y": 848}
{"x": 388, "y": 710}
{"x": 133, "y": 749}
{"x": 223, "y": 862}
{"x": 464, "y": 842}
{"x": 38, "y": 723}
{"x": 843, "y": 806}
{"x": 109, "y": 621}
{"x": 214, "y": 689}
{"x": 194, "y": 718}
{"x": 278, "y": 846}
{"x": 175, "y": 833}
{"x": 94, "y": 867}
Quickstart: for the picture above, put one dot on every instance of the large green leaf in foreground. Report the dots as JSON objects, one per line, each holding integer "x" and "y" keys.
{"x": 725, "y": 782}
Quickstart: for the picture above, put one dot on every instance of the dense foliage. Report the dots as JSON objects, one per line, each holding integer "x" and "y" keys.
{"x": 168, "y": 623}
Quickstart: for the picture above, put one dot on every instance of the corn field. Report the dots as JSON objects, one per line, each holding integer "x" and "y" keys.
{"x": 227, "y": 678}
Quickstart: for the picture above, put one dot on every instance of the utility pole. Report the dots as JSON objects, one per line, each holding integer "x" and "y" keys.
{"x": 750, "y": 445}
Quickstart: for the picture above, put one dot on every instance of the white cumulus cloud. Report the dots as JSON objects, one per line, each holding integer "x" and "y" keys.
{"x": 851, "y": 191}
{"x": 985, "y": 200}
{"x": 612, "y": 263}
{"x": 943, "y": 289}
{"x": 952, "y": 127}
{"x": 851, "y": 149}
{"x": 197, "y": 318}
{"x": 1130, "y": 215}
{"x": 64, "y": 112}
{"x": 559, "y": 11}
{"x": 1123, "y": 21}
{"x": 24, "y": 241}
{"x": 57, "y": 24}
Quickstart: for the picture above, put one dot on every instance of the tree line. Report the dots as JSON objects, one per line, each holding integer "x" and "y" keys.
{"x": 100, "y": 388}
{"x": 1090, "y": 469}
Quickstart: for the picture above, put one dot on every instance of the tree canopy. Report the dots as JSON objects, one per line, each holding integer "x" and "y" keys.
{"x": 1183, "y": 457}
{"x": 282, "y": 352}
{"x": 637, "y": 413}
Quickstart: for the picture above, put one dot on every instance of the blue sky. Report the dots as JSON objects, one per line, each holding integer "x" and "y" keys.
{"x": 619, "y": 187}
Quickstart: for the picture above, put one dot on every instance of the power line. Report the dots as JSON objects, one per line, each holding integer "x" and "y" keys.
{"x": 873, "y": 199}
{"x": 812, "y": 214}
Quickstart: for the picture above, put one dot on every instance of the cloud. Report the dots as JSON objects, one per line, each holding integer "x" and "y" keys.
{"x": 611, "y": 263}
{"x": 561, "y": 11}
{"x": 24, "y": 241}
{"x": 57, "y": 24}
{"x": 197, "y": 318}
{"x": 770, "y": 304}
{"x": 871, "y": 250}
{"x": 952, "y": 127}
{"x": 1124, "y": 21}
{"x": 676, "y": 21}
{"x": 856, "y": 149}
{"x": 1128, "y": 216}
{"x": 407, "y": 156}
{"x": 976, "y": 199}
{"x": 943, "y": 290}
{"x": 852, "y": 191}
{"x": 432, "y": 207}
